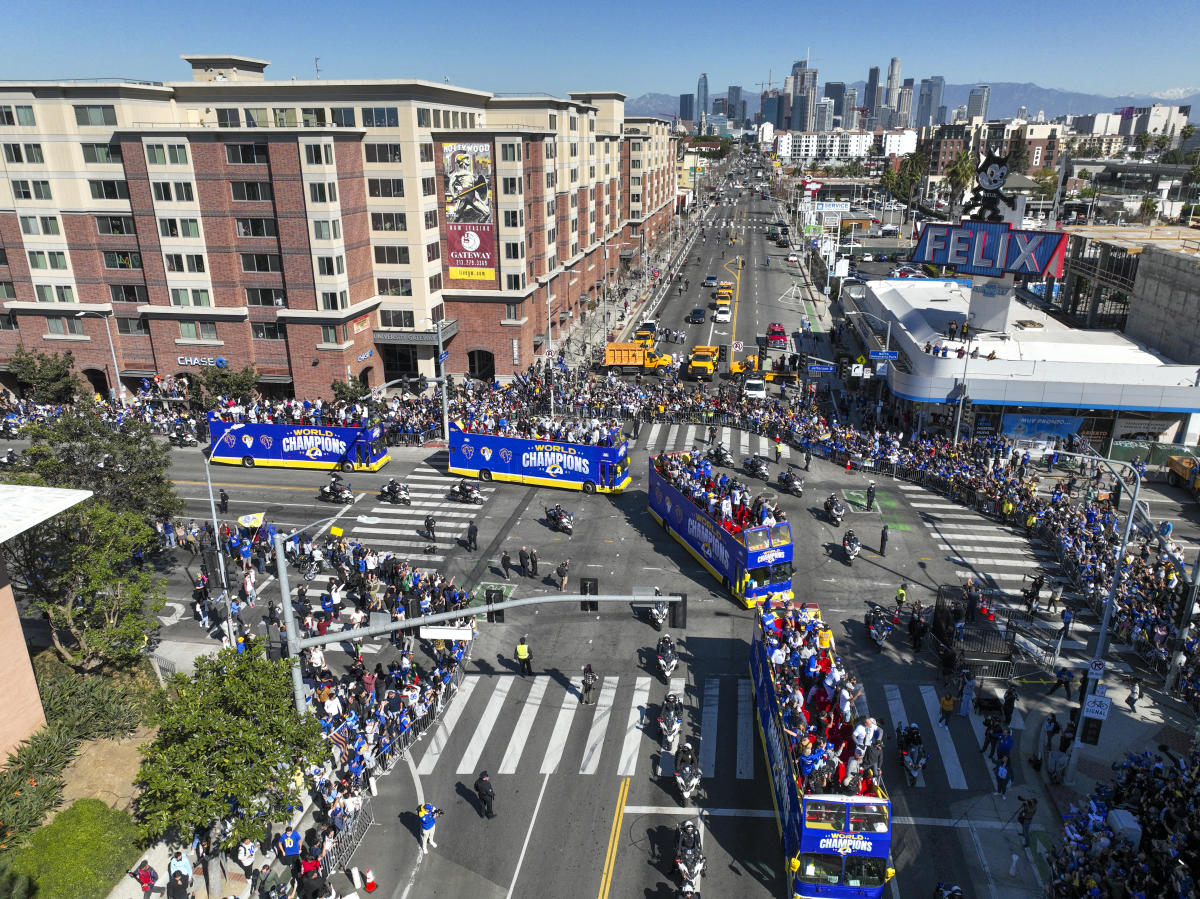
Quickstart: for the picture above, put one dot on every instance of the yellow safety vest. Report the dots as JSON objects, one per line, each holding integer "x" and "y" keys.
{"x": 522, "y": 651}
{"x": 901, "y": 596}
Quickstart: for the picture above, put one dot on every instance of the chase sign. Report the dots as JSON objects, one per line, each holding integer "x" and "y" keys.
{"x": 991, "y": 249}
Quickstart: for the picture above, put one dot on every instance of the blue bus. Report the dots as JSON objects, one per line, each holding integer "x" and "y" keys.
{"x": 546, "y": 463}
{"x": 754, "y": 564}
{"x": 296, "y": 446}
{"x": 835, "y": 846}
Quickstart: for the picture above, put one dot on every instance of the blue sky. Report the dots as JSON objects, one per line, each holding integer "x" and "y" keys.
{"x": 1106, "y": 46}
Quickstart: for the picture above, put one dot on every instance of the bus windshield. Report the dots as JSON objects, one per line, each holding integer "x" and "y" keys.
{"x": 820, "y": 867}
{"x": 865, "y": 871}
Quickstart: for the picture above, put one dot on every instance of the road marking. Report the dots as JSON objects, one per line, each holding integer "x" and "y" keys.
{"x": 633, "y": 730}
{"x": 708, "y": 726}
{"x": 671, "y": 435}
{"x": 895, "y": 704}
{"x": 745, "y": 731}
{"x": 689, "y": 437}
{"x": 954, "y": 771}
{"x": 694, "y": 811}
{"x": 483, "y": 729}
{"x": 653, "y": 435}
{"x": 991, "y": 560}
{"x": 595, "y": 740}
{"x": 614, "y": 837}
{"x": 745, "y": 443}
{"x": 520, "y": 736}
{"x": 440, "y": 737}
{"x": 528, "y": 833}
{"x": 725, "y": 437}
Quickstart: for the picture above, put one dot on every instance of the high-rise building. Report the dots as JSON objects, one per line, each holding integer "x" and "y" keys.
{"x": 742, "y": 111}
{"x": 893, "y": 83}
{"x": 904, "y": 105}
{"x": 823, "y": 115}
{"x": 940, "y": 118}
{"x": 702, "y": 95}
{"x": 719, "y": 106}
{"x": 871, "y": 100}
{"x": 687, "y": 107}
{"x": 836, "y": 91}
{"x": 804, "y": 108}
{"x": 1022, "y": 112}
{"x": 929, "y": 100}
{"x": 733, "y": 101}
{"x": 977, "y": 102}
{"x": 769, "y": 104}
{"x": 850, "y": 114}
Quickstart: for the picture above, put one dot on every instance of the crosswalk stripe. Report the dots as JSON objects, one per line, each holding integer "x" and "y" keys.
{"x": 895, "y": 705}
{"x": 745, "y": 730}
{"x": 903, "y": 486}
{"x": 991, "y": 560}
{"x": 708, "y": 726}
{"x": 638, "y": 713}
{"x": 980, "y": 525}
{"x": 689, "y": 437}
{"x": 449, "y": 718}
{"x": 652, "y": 437}
{"x": 671, "y": 435}
{"x": 725, "y": 436}
{"x": 935, "y": 505}
{"x": 443, "y": 526}
{"x": 745, "y": 443}
{"x": 1001, "y": 550}
{"x": 520, "y": 734}
{"x": 470, "y": 759}
{"x": 404, "y": 511}
{"x": 954, "y": 516}
{"x": 1002, "y": 576}
{"x": 943, "y": 534}
{"x": 763, "y": 449}
{"x": 562, "y": 729}
{"x": 949, "y": 758}
{"x": 591, "y": 752}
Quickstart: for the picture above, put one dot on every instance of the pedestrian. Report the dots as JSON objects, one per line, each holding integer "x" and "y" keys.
{"x": 177, "y": 886}
{"x": 533, "y": 560}
{"x": 146, "y": 877}
{"x": 222, "y": 501}
{"x": 506, "y": 563}
{"x": 1063, "y": 678}
{"x": 778, "y": 449}
{"x": 428, "y": 815}
{"x": 179, "y": 863}
{"x": 523, "y": 558}
{"x": 901, "y": 596}
{"x": 883, "y": 537}
{"x": 992, "y": 731}
{"x": 1025, "y": 816}
{"x": 486, "y": 794}
{"x": 525, "y": 656}
{"x": 1056, "y": 593}
{"x": 246, "y": 851}
{"x": 946, "y": 704}
{"x": 1067, "y": 617}
{"x": 1004, "y": 745}
{"x": 1135, "y": 693}
{"x": 561, "y": 571}
{"x": 1010, "y": 703}
{"x": 967, "y": 699}
{"x": 472, "y": 537}
{"x": 589, "y": 685}
{"x": 870, "y": 496}
{"x": 807, "y": 459}
{"x": 1002, "y": 777}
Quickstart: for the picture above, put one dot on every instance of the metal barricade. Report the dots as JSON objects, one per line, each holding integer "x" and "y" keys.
{"x": 349, "y": 838}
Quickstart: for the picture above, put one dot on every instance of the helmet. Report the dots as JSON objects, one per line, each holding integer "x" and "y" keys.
{"x": 671, "y": 698}
{"x": 666, "y": 637}
{"x": 689, "y": 825}
{"x": 687, "y": 746}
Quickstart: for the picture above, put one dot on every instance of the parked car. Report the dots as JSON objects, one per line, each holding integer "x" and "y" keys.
{"x": 782, "y": 242}
{"x": 793, "y": 258}
{"x": 867, "y": 257}
{"x": 696, "y": 316}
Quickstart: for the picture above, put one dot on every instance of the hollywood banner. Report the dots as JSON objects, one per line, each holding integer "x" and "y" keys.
{"x": 470, "y": 229}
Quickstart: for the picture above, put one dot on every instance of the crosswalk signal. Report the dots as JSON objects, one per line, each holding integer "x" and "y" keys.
{"x": 677, "y": 612}
{"x": 1090, "y": 731}
{"x": 492, "y": 596}
{"x": 722, "y": 352}
{"x": 589, "y": 586}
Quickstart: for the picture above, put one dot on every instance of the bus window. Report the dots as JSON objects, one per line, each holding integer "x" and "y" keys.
{"x": 781, "y": 534}
{"x": 865, "y": 871}
{"x": 757, "y": 539}
{"x": 781, "y": 572}
{"x": 819, "y": 867}
{"x": 869, "y": 818}
{"x": 825, "y": 815}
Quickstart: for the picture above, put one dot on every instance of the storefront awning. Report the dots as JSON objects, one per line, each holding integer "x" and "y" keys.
{"x": 275, "y": 379}
{"x": 138, "y": 373}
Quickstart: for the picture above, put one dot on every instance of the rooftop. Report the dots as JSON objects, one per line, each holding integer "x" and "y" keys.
{"x": 1135, "y": 239}
{"x": 30, "y": 506}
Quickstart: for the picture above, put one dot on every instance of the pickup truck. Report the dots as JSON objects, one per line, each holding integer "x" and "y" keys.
{"x": 635, "y": 357}
{"x": 702, "y": 363}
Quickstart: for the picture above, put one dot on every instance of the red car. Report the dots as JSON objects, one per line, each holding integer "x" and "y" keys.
{"x": 776, "y": 336}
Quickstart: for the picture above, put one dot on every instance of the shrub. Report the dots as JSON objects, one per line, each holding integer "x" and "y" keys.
{"x": 81, "y": 854}
{"x": 14, "y": 885}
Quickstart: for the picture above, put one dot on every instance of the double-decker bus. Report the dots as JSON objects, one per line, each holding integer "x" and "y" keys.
{"x": 296, "y": 446}
{"x": 752, "y": 563}
{"x": 546, "y": 463}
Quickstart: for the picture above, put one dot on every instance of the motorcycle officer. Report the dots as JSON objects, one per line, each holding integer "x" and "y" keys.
{"x": 666, "y": 648}
{"x": 686, "y": 756}
{"x": 672, "y": 709}
{"x": 687, "y": 838}
{"x": 430, "y": 525}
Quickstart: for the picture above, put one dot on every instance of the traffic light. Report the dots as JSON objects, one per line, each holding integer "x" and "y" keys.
{"x": 966, "y": 408}
{"x": 493, "y": 596}
{"x": 422, "y": 384}
{"x": 1090, "y": 731}
{"x": 589, "y": 586}
{"x": 677, "y": 611}
{"x": 804, "y": 361}
{"x": 722, "y": 352}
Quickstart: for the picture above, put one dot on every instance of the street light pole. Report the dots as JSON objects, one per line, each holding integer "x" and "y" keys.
{"x": 212, "y": 504}
{"x": 119, "y": 388}
{"x": 963, "y": 393}
{"x": 442, "y": 371}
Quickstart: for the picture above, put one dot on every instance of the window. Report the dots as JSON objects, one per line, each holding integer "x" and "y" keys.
{"x": 510, "y": 152}
{"x": 57, "y": 260}
{"x": 109, "y": 190}
{"x": 194, "y": 262}
{"x": 173, "y": 261}
{"x": 183, "y": 192}
{"x": 198, "y": 330}
{"x": 162, "y": 191}
{"x": 320, "y": 192}
{"x": 635, "y": 163}
{"x": 95, "y": 115}
{"x": 268, "y": 331}
{"x": 189, "y": 227}
{"x": 114, "y": 224}
{"x": 21, "y": 190}
{"x": 514, "y": 282}
{"x": 435, "y": 283}
{"x": 635, "y": 198}
{"x": 386, "y": 255}
{"x": 514, "y": 250}
{"x": 229, "y": 118}
{"x": 431, "y": 220}
{"x": 342, "y": 117}
{"x": 327, "y": 230}
{"x": 195, "y": 297}
{"x": 101, "y": 153}
{"x": 284, "y": 118}
{"x": 265, "y": 296}
{"x": 422, "y": 117}
{"x": 37, "y": 259}
{"x": 426, "y": 152}
{"x": 384, "y": 153}
{"x": 24, "y": 115}
{"x": 128, "y": 293}
{"x": 246, "y": 154}
{"x": 31, "y": 153}
{"x": 252, "y": 191}
{"x": 41, "y": 190}
{"x": 380, "y": 117}
{"x": 385, "y": 187}
{"x": 551, "y": 179}
{"x": 7, "y": 291}
{"x": 574, "y": 123}
{"x": 553, "y": 120}
{"x": 49, "y": 224}
{"x": 394, "y": 287}
{"x": 512, "y": 311}
{"x": 819, "y": 867}
{"x": 29, "y": 224}
{"x": 177, "y": 154}
{"x": 388, "y": 221}
{"x": 514, "y": 218}
{"x": 313, "y": 117}
{"x": 133, "y": 327}
{"x": 437, "y": 119}
{"x": 262, "y": 262}
{"x": 433, "y": 251}
{"x": 510, "y": 186}
{"x": 396, "y": 318}
{"x": 318, "y": 154}
{"x": 256, "y": 228}
{"x": 329, "y": 334}
{"x": 156, "y": 154}
{"x": 57, "y": 325}
{"x": 332, "y": 300}
{"x": 55, "y": 293}
{"x": 325, "y": 265}
{"x": 256, "y": 117}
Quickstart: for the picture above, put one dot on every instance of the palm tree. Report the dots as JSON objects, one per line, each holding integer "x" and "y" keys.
{"x": 1148, "y": 210}
{"x": 960, "y": 175}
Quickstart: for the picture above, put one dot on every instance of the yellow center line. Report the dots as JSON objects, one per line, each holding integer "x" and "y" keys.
{"x": 242, "y": 485}
{"x": 614, "y": 837}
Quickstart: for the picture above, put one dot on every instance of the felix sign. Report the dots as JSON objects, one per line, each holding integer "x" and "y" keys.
{"x": 991, "y": 249}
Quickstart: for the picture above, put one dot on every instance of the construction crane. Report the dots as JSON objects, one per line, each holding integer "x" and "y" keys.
{"x": 765, "y": 84}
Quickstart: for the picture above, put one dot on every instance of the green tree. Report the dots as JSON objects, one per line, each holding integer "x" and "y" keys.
{"x": 1018, "y": 157}
{"x": 346, "y": 393}
{"x": 1047, "y": 182}
{"x": 212, "y": 382}
{"x": 230, "y": 736}
{"x": 1142, "y": 142}
{"x": 960, "y": 176}
{"x": 46, "y": 377}
{"x": 1148, "y": 210}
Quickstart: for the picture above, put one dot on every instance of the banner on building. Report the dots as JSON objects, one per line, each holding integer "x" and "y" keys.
{"x": 1039, "y": 428}
{"x": 470, "y": 225}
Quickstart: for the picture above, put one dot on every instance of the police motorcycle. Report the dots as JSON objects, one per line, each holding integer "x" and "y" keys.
{"x": 336, "y": 492}
{"x": 395, "y": 492}
{"x": 689, "y": 854}
{"x": 719, "y": 455}
{"x": 851, "y": 546}
{"x": 668, "y": 658}
{"x": 687, "y": 772}
{"x": 912, "y": 751}
{"x": 11, "y": 458}
{"x": 756, "y": 467}
{"x": 669, "y": 723}
{"x": 790, "y": 482}
{"x": 462, "y": 492}
{"x": 561, "y": 520}
{"x": 182, "y": 438}
{"x": 879, "y": 626}
{"x": 657, "y": 611}
{"x": 834, "y": 510}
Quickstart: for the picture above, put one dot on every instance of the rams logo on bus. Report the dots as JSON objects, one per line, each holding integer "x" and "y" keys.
{"x": 266, "y": 440}
{"x": 506, "y": 455}
{"x": 248, "y": 441}
{"x": 468, "y": 451}
{"x": 314, "y": 452}
{"x": 229, "y": 440}
{"x": 486, "y": 452}
{"x": 554, "y": 470}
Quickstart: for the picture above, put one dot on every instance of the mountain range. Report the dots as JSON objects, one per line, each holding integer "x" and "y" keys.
{"x": 1006, "y": 98}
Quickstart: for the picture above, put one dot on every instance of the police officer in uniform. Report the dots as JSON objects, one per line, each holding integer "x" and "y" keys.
{"x": 486, "y": 795}
{"x": 525, "y": 656}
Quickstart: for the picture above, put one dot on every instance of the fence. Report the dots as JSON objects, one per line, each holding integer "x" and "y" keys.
{"x": 348, "y": 840}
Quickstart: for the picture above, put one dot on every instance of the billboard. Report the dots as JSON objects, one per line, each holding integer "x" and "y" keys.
{"x": 991, "y": 248}
{"x": 470, "y": 225}
{"x": 1039, "y": 428}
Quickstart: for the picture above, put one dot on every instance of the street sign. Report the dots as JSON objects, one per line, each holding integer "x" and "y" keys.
{"x": 861, "y": 360}
{"x": 885, "y": 354}
{"x": 1096, "y": 668}
{"x": 1097, "y": 707}
{"x": 881, "y": 369}
{"x": 815, "y": 369}
{"x": 828, "y": 206}
{"x": 444, "y": 356}
{"x": 436, "y": 632}
{"x": 738, "y": 346}
{"x": 856, "y": 371}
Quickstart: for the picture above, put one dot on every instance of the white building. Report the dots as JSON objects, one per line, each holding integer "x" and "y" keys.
{"x": 766, "y": 133}
{"x": 900, "y": 143}
{"x": 826, "y": 146}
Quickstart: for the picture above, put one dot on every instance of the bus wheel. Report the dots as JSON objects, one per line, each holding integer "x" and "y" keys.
{"x": 484, "y": 474}
{"x": 247, "y": 461}
{"x": 347, "y": 466}
{"x": 589, "y": 487}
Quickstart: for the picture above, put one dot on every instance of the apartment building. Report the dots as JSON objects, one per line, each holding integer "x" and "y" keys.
{"x": 316, "y": 230}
